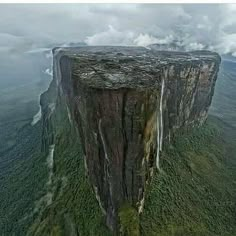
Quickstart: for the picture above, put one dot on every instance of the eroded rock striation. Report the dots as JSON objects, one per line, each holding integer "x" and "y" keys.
{"x": 126, "y": 103}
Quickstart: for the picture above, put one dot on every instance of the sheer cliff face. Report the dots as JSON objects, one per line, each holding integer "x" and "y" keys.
{"x": 126, "y": 103}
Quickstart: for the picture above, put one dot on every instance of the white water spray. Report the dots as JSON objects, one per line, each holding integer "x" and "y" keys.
{"x": 49, "y": 71}
{"x": 159, "y": 125}
{"x": 37, "y": 116}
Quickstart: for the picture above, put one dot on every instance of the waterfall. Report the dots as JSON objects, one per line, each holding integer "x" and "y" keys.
{"x": 68, "y": 114}
{"x": 102, "y": 138}
{"x": 51, "y": 106}
{"x": 50, "y": 161}
{"x": 47, "y": 198}
{"x": 158, "y": 142}
{"x": 49, "y": 72}
{"x": 38, "y": 115}
{"x": 161, "y": 112}
{"x": 159, "y": 125}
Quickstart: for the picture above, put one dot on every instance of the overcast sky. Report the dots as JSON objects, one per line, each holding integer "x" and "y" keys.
{"x": 26, "y": 27}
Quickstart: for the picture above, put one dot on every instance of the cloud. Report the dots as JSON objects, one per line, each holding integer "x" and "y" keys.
{"x": 146, "y": 39}
{"x": 111, "y": 37}
{"x": 227, "y": 44}
{"x": 43, "y": 25}
{"x": 115, "y": 37}
{"x": 195, "y": 46}
{"x": 27, "y": 31}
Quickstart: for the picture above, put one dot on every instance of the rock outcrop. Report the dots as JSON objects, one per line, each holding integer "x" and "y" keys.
{"x": 126, "y": 103}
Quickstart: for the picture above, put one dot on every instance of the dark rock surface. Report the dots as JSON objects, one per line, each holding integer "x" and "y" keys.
{"x": 126, "y": 102}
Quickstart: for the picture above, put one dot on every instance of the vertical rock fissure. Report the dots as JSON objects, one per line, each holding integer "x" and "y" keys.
{"x": 103, "y": 140}
{"x": 107, "y": 165}
{"x": 195, "y": 89}
{"x": 125, "y": 147}
{"x": 105, "y": 153}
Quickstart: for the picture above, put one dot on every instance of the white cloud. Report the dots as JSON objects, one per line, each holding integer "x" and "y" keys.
{"x": 28, "y": 30}
{"x": 146, "y": 39}
{"x": 111, "y": 37}
{"x": 115, "y": 37}
{"x": 195, "y": 46}
{"x": 33, "y": 26}
{"x": 227, "y": 44}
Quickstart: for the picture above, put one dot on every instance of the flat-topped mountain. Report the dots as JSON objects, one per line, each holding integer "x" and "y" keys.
{"x": 126, "y": 104}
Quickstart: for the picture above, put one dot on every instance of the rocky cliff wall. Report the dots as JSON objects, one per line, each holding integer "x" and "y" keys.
{"x": 126, "y": 103}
